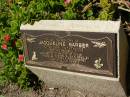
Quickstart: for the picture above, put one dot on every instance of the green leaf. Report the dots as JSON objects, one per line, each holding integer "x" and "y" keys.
{"x": 69, "y": 14}
{"x": 89, "y": 13}
{"x": 19, "y": 44}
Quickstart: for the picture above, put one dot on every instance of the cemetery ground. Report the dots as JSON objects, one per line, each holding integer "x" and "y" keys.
{"x": 17, "y": 12}
{"x": 14, "y": 91}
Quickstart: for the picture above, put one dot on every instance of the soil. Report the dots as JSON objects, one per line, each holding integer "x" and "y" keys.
{"x": 13, "y": 90}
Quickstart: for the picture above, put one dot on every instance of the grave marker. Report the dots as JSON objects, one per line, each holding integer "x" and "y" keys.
{"x": 86, "y": 55}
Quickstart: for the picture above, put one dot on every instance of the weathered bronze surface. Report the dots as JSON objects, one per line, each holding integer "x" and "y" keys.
{"x": 93, "y": 53}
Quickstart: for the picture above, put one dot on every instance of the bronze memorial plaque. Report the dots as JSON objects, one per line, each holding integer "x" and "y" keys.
{"x": 84, "y": 52}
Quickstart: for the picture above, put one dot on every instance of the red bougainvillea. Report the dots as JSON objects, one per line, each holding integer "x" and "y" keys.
{"x": 20, "y": 58}
{"x": 4, "y": 46}
{"x": 7, "y": 37}
{"x": 67, "y": 2}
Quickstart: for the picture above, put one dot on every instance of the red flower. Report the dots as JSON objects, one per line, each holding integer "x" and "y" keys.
{"x": 7, "y": 37}
{"x": 4, "y": 46}
{"x": 21, "y": 58}
{"x": 67, "y": 1}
